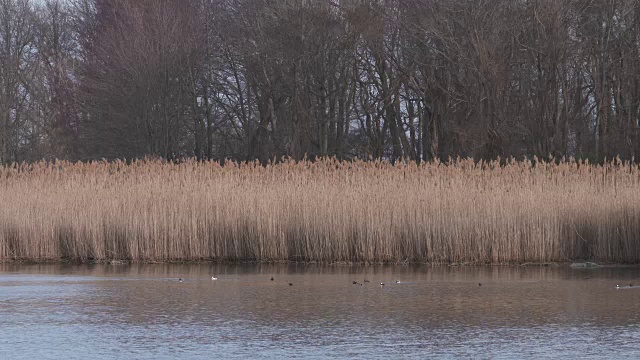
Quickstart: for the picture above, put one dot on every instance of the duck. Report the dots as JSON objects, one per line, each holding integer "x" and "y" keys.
{"x": 381, "y": 284}
{"x": 214, "y": 278}
{"x": 272, "y": 278}
{"x": 479, "y": 284}
{"x": 355, "y": 282}
{"x": 366, "y": 280}
{"x": 180, "y": 280}
{"x": 397, "y": 281}
{"x": 290, "y": 284}
{"x": 617, "y": 286}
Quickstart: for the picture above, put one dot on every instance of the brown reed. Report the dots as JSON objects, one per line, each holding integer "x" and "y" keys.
{"x": 325, "y": 211}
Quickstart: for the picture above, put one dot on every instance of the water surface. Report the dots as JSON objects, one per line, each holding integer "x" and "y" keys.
{"x": 143, "y": 311}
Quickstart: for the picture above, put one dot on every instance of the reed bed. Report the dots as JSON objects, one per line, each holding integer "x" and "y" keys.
{"x": 325, "y": 211}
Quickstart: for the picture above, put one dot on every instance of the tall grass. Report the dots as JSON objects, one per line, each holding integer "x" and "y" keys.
{"x": 462, "y": 212}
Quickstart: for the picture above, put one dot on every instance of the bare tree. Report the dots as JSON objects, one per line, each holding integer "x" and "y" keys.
{"x": 17, "y": 63}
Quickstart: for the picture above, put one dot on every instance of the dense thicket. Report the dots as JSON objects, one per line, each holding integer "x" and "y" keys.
{"x": 258, "y": 79}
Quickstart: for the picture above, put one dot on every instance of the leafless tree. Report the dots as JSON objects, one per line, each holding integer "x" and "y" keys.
{"x": 256, "y": 79}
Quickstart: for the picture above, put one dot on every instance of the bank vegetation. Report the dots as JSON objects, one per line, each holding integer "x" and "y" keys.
{"x": 327, "y": 211}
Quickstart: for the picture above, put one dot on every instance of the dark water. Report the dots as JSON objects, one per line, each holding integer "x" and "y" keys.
{"x": 106, "y": 311}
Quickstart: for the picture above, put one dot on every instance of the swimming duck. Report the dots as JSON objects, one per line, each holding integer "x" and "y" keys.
{"x": 180, "y": 280}
{"x": 617, "y": 286}
{"x": 272, "y": 278}
{"x": 381, "y": 284}
{"x": 290, "y": 284}
{"x": 214, "y": 278}
{"x": 365, "y": 280}
{"x": 355, "y": 283}
{"x": 397, "y": 281}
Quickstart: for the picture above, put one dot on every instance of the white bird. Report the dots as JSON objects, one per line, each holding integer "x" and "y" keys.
{"x": 214, "y": 278}
{"x": 617, "y": 286}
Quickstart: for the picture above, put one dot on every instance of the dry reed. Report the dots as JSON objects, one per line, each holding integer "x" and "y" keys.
{"x": 327, "y": 211}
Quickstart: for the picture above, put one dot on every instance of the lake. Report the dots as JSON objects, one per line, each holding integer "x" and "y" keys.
{"x": 144, "y": 311}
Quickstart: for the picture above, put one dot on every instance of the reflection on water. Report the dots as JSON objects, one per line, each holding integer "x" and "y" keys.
{"x": 143, "y": 311}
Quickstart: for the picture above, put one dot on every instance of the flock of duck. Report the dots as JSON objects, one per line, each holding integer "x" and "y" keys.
{"x": 213, "y": 278}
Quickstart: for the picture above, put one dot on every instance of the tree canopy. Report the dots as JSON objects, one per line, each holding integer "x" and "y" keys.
{"x": 258, "y": 79}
